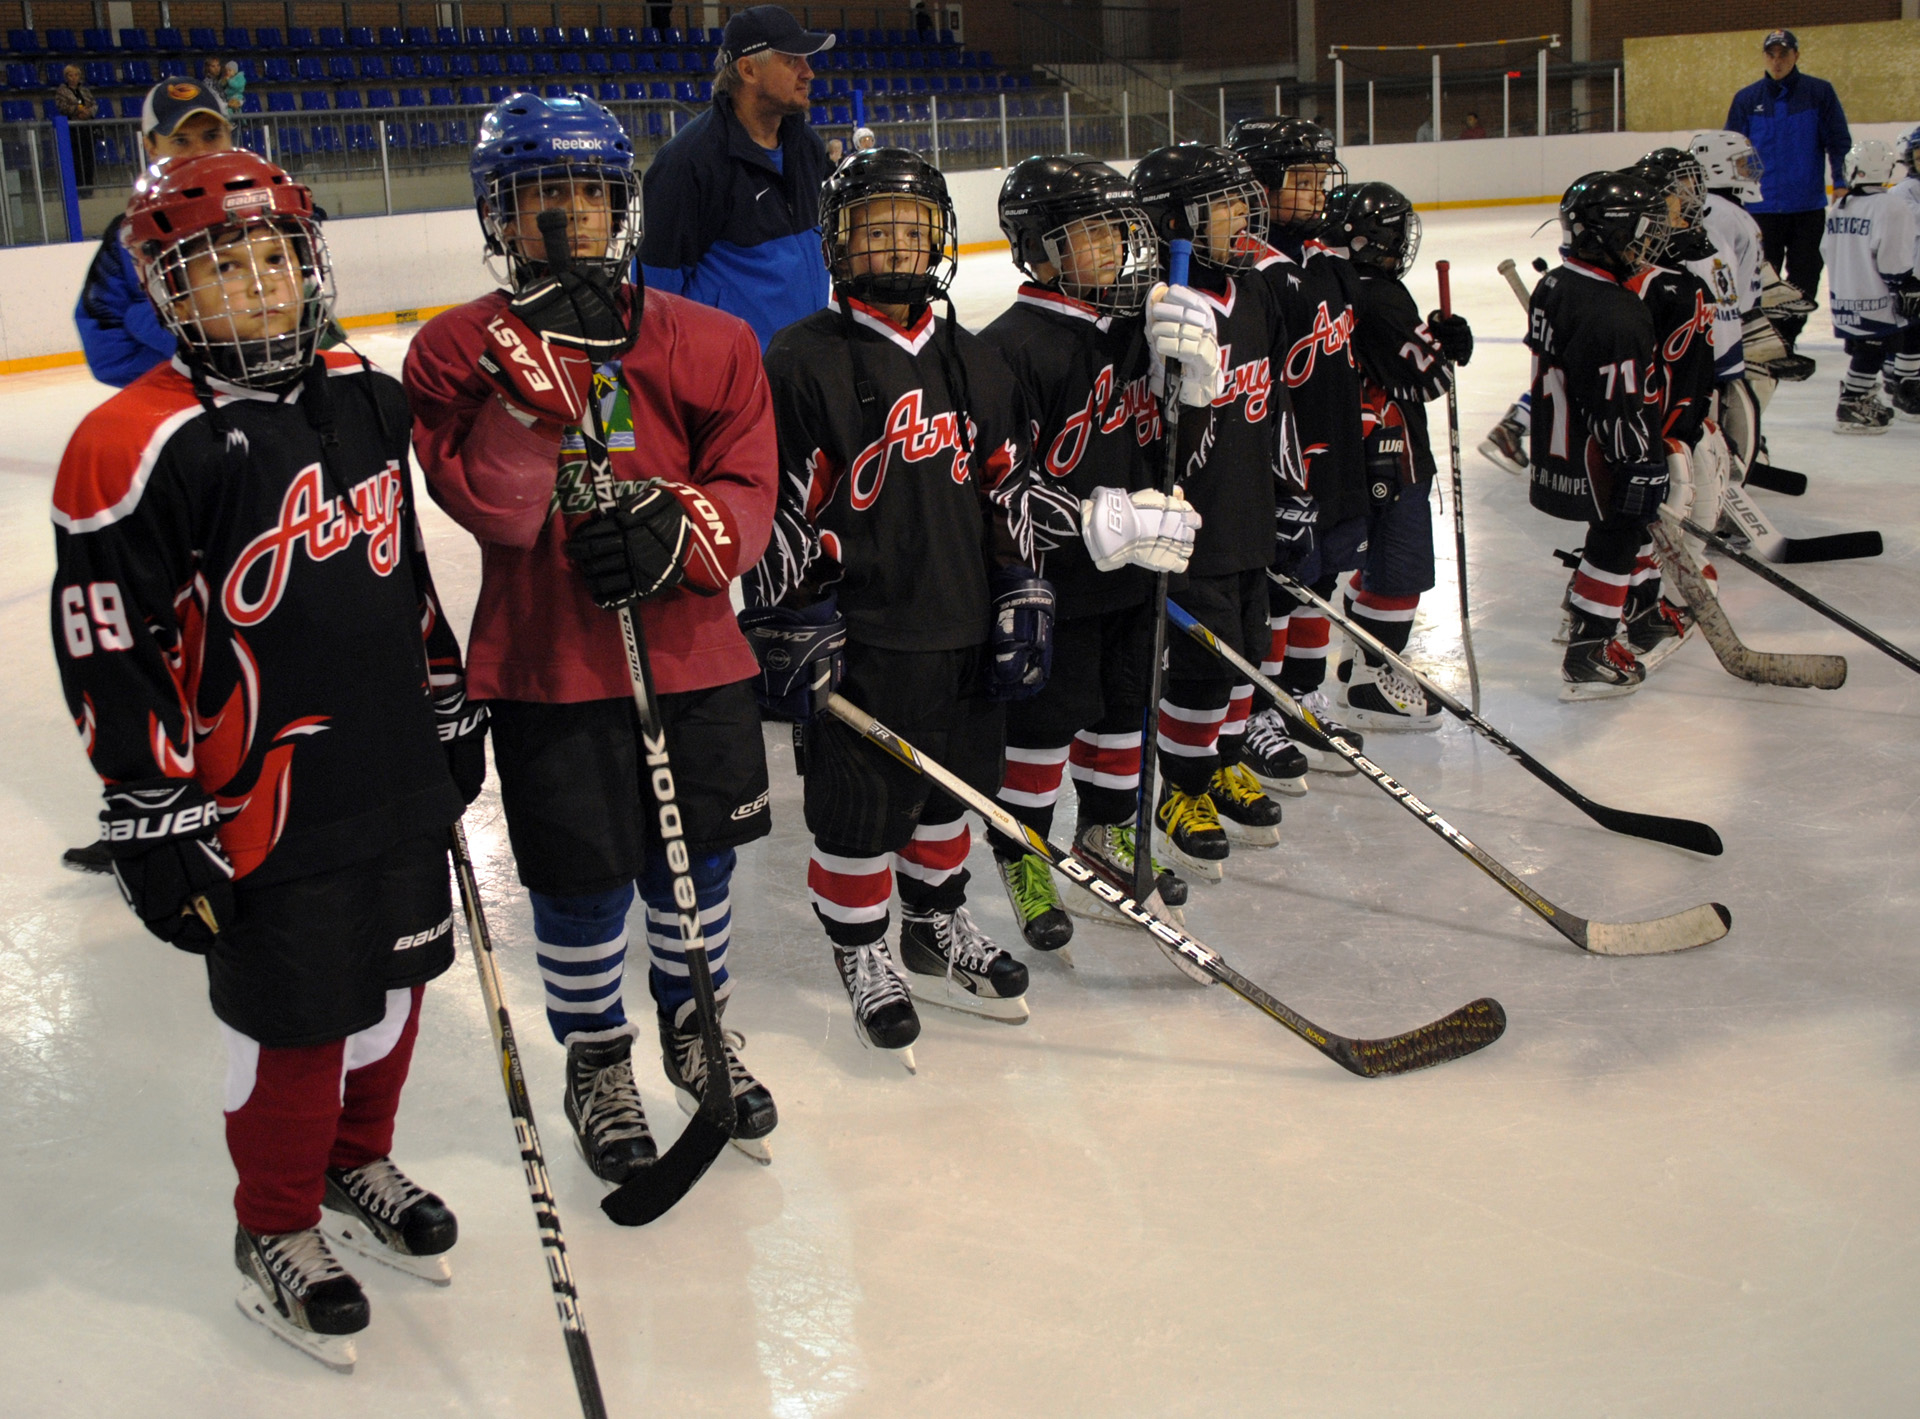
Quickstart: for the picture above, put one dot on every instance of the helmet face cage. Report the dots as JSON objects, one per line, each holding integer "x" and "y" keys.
{"x": 251, "y": 301}
{"x": 602, "y": 203}
{"x": 1628, "y": 236}
{"x": 1106, "y": 259}
{"x": 1237, "y": 246}
{"x": 1371, "y": 243}
{"x": 1314, "y": 180}
{"x": 890, "y": 247}
{"x": 1729, "y": 161}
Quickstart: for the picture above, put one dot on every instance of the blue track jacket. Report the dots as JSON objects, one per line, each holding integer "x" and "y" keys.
{"x": 729, "y": 229}
{"x": 119, "y": 330}
{"x": 1792, "y": 125}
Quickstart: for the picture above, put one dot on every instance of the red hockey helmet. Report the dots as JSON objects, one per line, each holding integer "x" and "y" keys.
{"x": 232, "y": 259}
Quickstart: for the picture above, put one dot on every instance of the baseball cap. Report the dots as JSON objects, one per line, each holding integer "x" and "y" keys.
{"x": 170, "y": 103}
{"x": 1784, "y": 38}
{"x": 764, "y": 27}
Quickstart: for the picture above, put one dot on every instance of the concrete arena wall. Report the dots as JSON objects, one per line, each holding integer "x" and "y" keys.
{"x": 424, "y": 260}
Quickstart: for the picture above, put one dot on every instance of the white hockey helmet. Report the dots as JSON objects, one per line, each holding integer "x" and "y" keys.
{"x": 1729, "y": 162}
{"x": 1869, "y": 163}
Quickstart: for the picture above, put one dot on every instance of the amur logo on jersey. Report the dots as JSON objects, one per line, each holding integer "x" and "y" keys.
{"x": 1329, "y": 336}
{"x": 1136, "y": 403}
{"x": 1254, "y": 380}
{"x": 915, "y": 438}
{"x": 322, "y": 527}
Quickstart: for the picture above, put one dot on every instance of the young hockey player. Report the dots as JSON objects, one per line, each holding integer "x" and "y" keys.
{"x": 1597, "y": 451}
{"x": 1901, "y": 376}
{"x": 1078, "y": 349}
{"x": 1295, "y": 161}
{"x": 1245, "y": 480}
{"x": 1404, "y": 362}
{"x": 1767, "y": 304}
{"x": 500, "y": 389}
{"x": 907, "y": 527}
{"x": 255, "y": 659}
{"x": 1873, "y": 288}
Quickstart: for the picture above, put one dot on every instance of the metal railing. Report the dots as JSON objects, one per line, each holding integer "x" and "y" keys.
{"x": 31, "y": 210}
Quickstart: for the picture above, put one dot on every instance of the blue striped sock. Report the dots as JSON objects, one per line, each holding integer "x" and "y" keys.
{"x": 583, "y": 955}
{"x": 667, "y": 958}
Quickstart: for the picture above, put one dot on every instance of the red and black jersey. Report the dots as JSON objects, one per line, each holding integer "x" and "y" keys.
{"x": 1084, "y": 380}
{"x": 1315, "y": 291}
{"x": 881, "y": 501}
{"x": 1683, "y": 309}
{"x": 1251, "y": 452}
{"x": 236, "y": 605}
{"x": 1596, "y": 394}
{"x": 1401, "y": 361}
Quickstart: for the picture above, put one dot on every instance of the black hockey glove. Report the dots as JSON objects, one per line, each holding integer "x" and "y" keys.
{"x": 580, "y": 311}
{"x": 802, "y": 655}
{"x": 463, "y": 734}
{"x": 656, "y": 539}
{"x": 162, "y": 834}
{"x": 1454, "y": 335}
{"x": 1908, "y": 296}
{"x": 1294, "y": 520}
{"x": 1020, "y": 637}
{"x": 1638, "y": 491}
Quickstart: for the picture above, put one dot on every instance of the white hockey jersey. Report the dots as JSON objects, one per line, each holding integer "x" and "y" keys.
{"x": 1732, "y": 273}
{"x": 1869, "y": 249}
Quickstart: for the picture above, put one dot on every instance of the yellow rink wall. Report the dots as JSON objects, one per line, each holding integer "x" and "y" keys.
{"x": 1687, "y": 80}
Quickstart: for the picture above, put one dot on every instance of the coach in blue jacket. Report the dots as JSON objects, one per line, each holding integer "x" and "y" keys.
{"x": 733, "y": 200}
{"x": 1798, "y": 128}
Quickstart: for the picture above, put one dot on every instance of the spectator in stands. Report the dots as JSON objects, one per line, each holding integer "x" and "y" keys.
{"x": 1799, "y": 130}
{"x": 864, "y": 139}
{"x": 75, "y": 101}
{"x": 119, "y": 331}
{"x": 1424, "y": 133}
{"x": 733, "y": 200}
{"x": 660, "y": 16}
{"x": 213, "y": 74}
{"x": 923, "y": 21}
{"x": 836, "y": 150}
{"x": 233, "y": 86}
{"x": 1474, "y": 128}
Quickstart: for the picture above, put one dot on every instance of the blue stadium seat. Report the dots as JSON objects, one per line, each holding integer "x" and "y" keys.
{"x": 300, "y": 37}
{"x": 250, "y": 102}
{"x": 326, "y": 138}
{"x": 619, "y": 62}
{"x": 98, "y": 73}
{"x": 23, "y": 41}
{"x": 477, "y": 37}
{"x": 97, "y": 41}
{"x": 838, "y": 88}
{"x": 289, "y": 140}
{"x": 138, "y": 72}
{"x": 314, "y": 100}
{"x": 16, "y": 111}
{"x": 607, "y": 93}
{"x": 844, "y": 115}
{"x": 360, "y": 36}
{"x": 644, "y": 63}
{"x": 627, "y": 35}
{"x": 360, "y": 138}
{"x": 340, "y": 67}
{"x": 461, "y": 66}
{"x": 405, "y": 66}
{"x": 596, "y": 63}
{"x": 706, "y": 91}
{"x": 203, "y": 38}
{"x": 237, "y": 38}
{"x": 569, "y": 63}
{"x": 132, "y": 105}
{"x": 578, "y": 37}
{"x": 500, "y": 36}
{"x": 471, "y": 95}
{"x": 518, "y": 65}
{"x": 373, "y": 66}
{"x": 390, "y": 37}
{"x": 440, "y": 97}
{"x": 457, "y": 133}
{"x": 62, "y": 42}
{"x": 636, "y": 91}
{"x": 668, "y": 62}
{"x": 419, "y": 35}
{"x": 310, "y": 69}
{"x": 331, "y": 37}
{"x": 379, "y": 98}
{"x": 527, "y": 37}
{"x": 21, "y": 76}
{"x": 819, "y": 116}
{"x": 542, "y": 63}
{"x": 268, "y": 37}
{"x": 347, "y": 98}
{"x": 604, "y": 38}
{"x": 134, "y": 41}
{"x": 490, "y": 66}
{"x": 497, "y": 92}
{"x": 936, "y": 85}
{"x": 659, "y": 90}
{"x": 173, "y": 68}
{"x": 447, "y": 37}
{"x": 433, "y": 66}
{"x": 553, "y": 36}
{"x": 673, "y": 37}
{"x": 412, "y": 98}
{"x": 650, "y": 35}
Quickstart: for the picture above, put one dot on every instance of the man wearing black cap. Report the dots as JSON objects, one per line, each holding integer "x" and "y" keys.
{"x": 1799, "y": 130}
{"x": 733, "y": 201}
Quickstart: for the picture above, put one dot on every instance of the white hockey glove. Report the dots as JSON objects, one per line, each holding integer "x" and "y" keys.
{"x": 1760, "y": 343}
{"x": 1180, "y": 327}
{"x": 1679, "y": 500}
{"x": 1712, "y": 471}
{"x": 1779, "y": 294}
{"x": 1145, "y": 529}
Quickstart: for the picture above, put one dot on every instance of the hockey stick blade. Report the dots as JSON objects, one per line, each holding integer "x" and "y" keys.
{"x": 1776, "y": 480}
{"x": 1675, "y": 832}
{"x": 1465, "y": 1031}
{"x": 1762, "y": 667}
{"x": 1771, "y": 543}
{"x": 1697, "y": 926}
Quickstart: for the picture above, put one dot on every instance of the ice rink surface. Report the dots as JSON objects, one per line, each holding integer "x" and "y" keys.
{"x": 1681, "y": 1185}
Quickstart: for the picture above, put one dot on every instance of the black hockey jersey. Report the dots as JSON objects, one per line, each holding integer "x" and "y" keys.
{"x": 1315, "y": 291}
{"x": 235, "y": 606}
{"x": 1683, "y": 308}
{"x": 1596, "y": 398}
{"x": 1399, "y": 357}
{"x": 1251, "y": 452}
{"x": 1083, "y": 378}
{"x": 879, "y": 500}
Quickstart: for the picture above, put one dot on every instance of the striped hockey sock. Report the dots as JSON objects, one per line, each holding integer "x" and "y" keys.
{"x": 582, "y": 950}
{"x": 667, "y": 974}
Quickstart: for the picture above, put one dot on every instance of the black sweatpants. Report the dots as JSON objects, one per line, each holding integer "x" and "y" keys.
{"x": 1791, "y": 241}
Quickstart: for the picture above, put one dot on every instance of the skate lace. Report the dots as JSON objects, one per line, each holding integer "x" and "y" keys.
{"x": 1189, "y": 812}
{"x": 1621, "y": 657}
{"x": 691, "y": 1056}
{"x": 1402, "y": 691}
{"x": 382, "y": 1189}
{"x": 1031, "y": 882}
{"x": 965, "y": 945}
{"x": 1266, "y": 733}
{"x": 611, "y": 1110}
{"x": 874, "y": 981}
{"x": 1239, "y": 784}
{"x": 300, "y": 1260}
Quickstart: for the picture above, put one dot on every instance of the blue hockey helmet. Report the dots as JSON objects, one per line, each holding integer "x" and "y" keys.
{"x": 565, "y": 153}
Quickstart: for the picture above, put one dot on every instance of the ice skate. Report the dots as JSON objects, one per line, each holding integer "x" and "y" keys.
{"x": 1324, "y": 761}
{"x": 1905, "y": 397}
{"x": 1381, "y": 697}
{"x": 1036, "y": 903}
{"x": 683, "y": 1056}
{"x": 297, "y": 1290}
{"x": 1861, "y": 414}
{"x": 952, "y": 962}
{"x": 1272, "y": 758}
{"x": 603, "y": 1105}
{"x": 1599, "y": 670}
{"x": 1108, "y": 848}
{"x": 380, "y": 1212}
{"x": 1656, "y": 632}
{"x": 1248, "y": 815}
{"x": 883, "y": 1013}
{"x": 1505, "y": 445}
{"x": 1186, "y": 827}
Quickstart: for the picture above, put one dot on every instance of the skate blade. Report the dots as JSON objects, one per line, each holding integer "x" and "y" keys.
{"x": 336, "y": 1352}
{"x": 1288, "y": 787}
{"x": 754, "y": 1148}
{"x": 1251, "y": 835}
{"x": 951, "y": 995}
{"x": 1395, "y": 723}
{"x": 1320, "y": 763}
{"x": 1203, "y": 868}
{"x": 1868, "y": 430}
{"x": 1586, "y": 690}
{"x": 352, "y": 1234}
{"x": 1661, "y": 654}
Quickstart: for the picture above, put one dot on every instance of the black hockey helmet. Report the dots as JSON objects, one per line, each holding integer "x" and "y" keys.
{"x": 1615, "y": 220}
{"x": 1292, "y": 157}
{"x": 1180, "y": 187}
{"x": 1376, "y": 224}
{"x": 1078, "y": 216}
{"x": 1683, "y": 184}
{"x": 890, "y": 268}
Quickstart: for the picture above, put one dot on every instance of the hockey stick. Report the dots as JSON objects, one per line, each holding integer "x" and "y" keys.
{"x": 1805, "y": 597}
{"x": 1459, "y": 497}
{"x": 1676, "y": 832}
{"x": 1180, "y": 252}
{"x": 662, "y": 1183}
{"x": 1776, "y": 479}
{"x": 1822, "y": 672}
{"x": 1512, "y": 273}
{"x": 1769, "y": 542}
{"x": 1472, "y": 1027}
{"x": 546, "y": 1213}
{"x": 1695, "y": 926}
